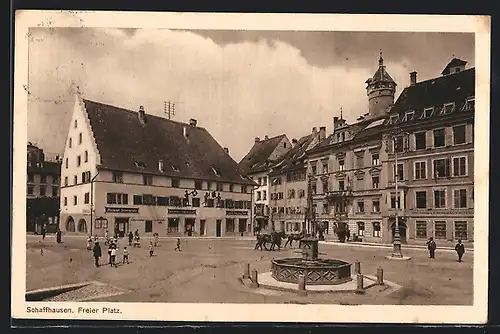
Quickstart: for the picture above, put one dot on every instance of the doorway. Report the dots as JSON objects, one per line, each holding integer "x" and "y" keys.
{"x": 402, "y": 231}
{"x": 121, "y": 226}
{"x": 202, "y": 227}
{"x": 218, "y": 228}
{"x": 189, "y": 226}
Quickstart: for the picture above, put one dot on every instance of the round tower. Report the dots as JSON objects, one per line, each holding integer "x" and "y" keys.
{"x": 380, "y": 90}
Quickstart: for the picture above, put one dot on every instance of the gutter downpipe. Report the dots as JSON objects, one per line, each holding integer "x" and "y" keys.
{"x": 92, "y": 202}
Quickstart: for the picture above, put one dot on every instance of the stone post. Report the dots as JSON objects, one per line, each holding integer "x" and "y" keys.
{"x": 254, "y": 278}
{"x": 302, "y": 284}
{"x": 357, "y": 267}
{"x": 359, "y": 284}
{"x": 380, "y": 276}
{"x": 246, "y": 273}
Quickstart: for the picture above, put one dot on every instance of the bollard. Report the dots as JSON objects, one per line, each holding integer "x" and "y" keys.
{"x": 302, "y": 284}
{"x": 255, "y": 282}
{"x": 246, "y": 273}
{"x": 380, "y": 276}
{"x": 357, "y": 267}
{"x": 359, "y": 283}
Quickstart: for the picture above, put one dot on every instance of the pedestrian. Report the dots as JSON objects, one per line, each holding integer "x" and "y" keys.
{"x": 97, "y": 253}
{"x": 58, "y": 236}
{"x": 44, "y": 231}
{"x": 155, "y": 235}
{"x": 460, "y": 249}
{"x": 109, "y": 253}
{"x": 125, "y": 254}
{"x": 151, "y": 248}
{"x": 113, "y": 256}
{"x": 89, "y": 243}
{"x": 431, "y": 246}
{"x": 106, "y": 236}
{"x": 178, "y": 247}
{"x": 130, "y": 238}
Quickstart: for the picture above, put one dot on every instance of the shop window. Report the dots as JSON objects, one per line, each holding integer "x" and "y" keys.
{"x": 173, "y": 225}
{"x": 361, "y": 229}
{"x": 230, "y": 225}
{"x": 376, "y": 229}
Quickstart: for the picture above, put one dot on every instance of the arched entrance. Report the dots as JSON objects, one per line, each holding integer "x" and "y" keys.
{"x": 82, "y": 226}
{"x": 70, "y": 224}
{"x": 402, "y": 231}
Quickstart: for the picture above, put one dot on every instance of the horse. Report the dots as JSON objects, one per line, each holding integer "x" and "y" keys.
{"x": 294, "y": 237}
{"x": 274, "y": 239}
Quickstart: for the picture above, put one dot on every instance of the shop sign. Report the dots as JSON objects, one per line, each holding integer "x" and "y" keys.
{"x": 236, "y": 212}
{"x": 121, "y": 210}
{"x": 181, "y": 211}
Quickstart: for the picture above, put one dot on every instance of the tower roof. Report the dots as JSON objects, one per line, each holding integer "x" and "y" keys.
{"x": 381, "y": 73}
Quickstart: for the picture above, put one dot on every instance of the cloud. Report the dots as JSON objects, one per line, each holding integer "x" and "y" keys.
{"x": 237, "y": 91}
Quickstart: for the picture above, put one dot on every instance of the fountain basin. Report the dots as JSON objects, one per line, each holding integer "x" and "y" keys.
{"x": 316, "y": 272}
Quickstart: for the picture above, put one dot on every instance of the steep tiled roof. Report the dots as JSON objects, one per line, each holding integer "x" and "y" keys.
{"x": 382, "y": 75}
{"x": 127, "y": 144}
{"x": 455, "y": 62}
{"x": 257, "y": 159}
{"x": 453, "y": 88}
{"x": 295, "y": 157}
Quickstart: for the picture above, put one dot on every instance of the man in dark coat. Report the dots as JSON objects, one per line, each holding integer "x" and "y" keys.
{"x": 431, "y": 246}
{"x": 58, "y": 236}
{"x": 460, "y": 249}
{"x": 97, "y": 253}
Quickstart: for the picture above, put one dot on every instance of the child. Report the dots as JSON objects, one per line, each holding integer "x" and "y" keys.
{"x": 125, "y": 254}
{"x": 109, "y": 253}
{"x": 89, "y": 243}
{"x": 113, "y": 256}
{"x": 178, "y": 247}
{"x": 151, "y": 248}
{"x": 106, "y": 238}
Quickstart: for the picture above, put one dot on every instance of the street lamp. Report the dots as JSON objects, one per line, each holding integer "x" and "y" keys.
{"x": 394, "y": 137}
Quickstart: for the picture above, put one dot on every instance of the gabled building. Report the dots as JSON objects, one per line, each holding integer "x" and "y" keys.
{"x": 125, "y": 170}
{"x": 256, "y": 165}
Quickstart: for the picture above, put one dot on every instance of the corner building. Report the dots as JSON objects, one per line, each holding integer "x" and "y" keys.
{"x": 125, "y": 170}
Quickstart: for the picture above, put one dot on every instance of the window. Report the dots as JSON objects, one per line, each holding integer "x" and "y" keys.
{"x": 75, "y": 179}
{"x": 86, "y": 177}
{"x": 461, "y": 230}
{"x": 118, "y": 177}
{"x": 341, "y": 185}
{"x": 30, "y": 190}
{"x": 259, "y": 181}
{"x": 209, "y": 185}
{"x": 448, "y": 108}
{"x": 76, "y": 123}
{"x": 376, "y": 205}
{"x": 440, "y": 230}
{"x": 70, "y": 142}
{"x": 361, "y": 206}
{"x": 55, "y": 190}
{"x": 441, "y": 168}
{"x": 147, "y": 180}
{"x": 375, "y": 159}
{"x": 421, "y": 199}
{"x": 137, "y": 199}
{"x": 65, "y": 201}
{"x": 460, "y": 198}
{"x": 399, "y": 144}
{"x": 161, "y": 201}
{"x": 55, "y": 179}
{"x": 428, "y": 112}
{"x": 173, "y": 225}
{"x": 65, "y": 181}
{"x": 459, "y": 135}
{"x": 393, "y": 201}
{"x": 420, "y": 170}
{"x": 197, "y": 185}
{"x": 175, "y": 183}
{"x": 86, "y": 156}
{"x": 80, "y": 138}
{"x": 230, "y": 225}
{"x": 43, "y": 178}
{"x": 375, "y": 182}
{"x": 78, "y": 161}
{"x": 231, "y": 187}
{"x": 314, "y": 186}
{"x": 421, "y": 229}
{"x": 439, "y": 199}
{"x": 341, "y": 164}
{"x": 219, "y": 187}
{"x": 244, "y": 189}
{"x": 259, "y": 197}
{"x": 75, "y": 200}
{"x": 376, "y": 229}
{"x": 325, "y": 168}
{"x": 117, "y": 198}
{"x": 439, "y": 138}
{"x": 313, "y": 170}
{"x": 31, "y": 177}
{"x": 148, "y": 228}
{"x": 195, "y": 202}
{"x": 469, "y": 104}
{"x": 420, "y": 142}
{"x": 66, "y": 163}
{"x": 360, "y": 161}
{"x": 460, "y": 166}
{"x": 264, "y": 181}
{"x": 399, "y": 172}
{"x": 361, "y": 229}
{"x": 86, "y": 199}
{"x": 325, "y": 208}
{"x": 264, "y": 195}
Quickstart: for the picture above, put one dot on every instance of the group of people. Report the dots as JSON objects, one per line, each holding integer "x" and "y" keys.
{"x": 459, "y": 248}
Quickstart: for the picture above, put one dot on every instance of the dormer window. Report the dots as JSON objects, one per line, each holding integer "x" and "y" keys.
{"x": 174, "y": 168}
{"x": 469, "y": 104}
{"x": 394, "y": 119}
{"x": 215, "y": 171}
{"x": 160, "y": 166}
{"x": 448, "y": 108}
{"x": 428, "y": 112}
{"x": 140, "y": 164}
{"x": 408, "y": 116}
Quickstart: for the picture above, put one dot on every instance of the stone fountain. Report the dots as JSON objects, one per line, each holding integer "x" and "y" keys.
{"x": 316, "y": 271}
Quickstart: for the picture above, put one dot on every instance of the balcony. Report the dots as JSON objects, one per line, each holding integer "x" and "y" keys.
{"x": 340, "y": 215}
{"x": 339, "y": 194}
{"x": 261, "y": 211}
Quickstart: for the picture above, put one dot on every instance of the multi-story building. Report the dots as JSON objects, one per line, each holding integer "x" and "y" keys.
{"x": 431, "y": 124}
{"x": 288, "y": 185}
{"x": 256, "y": 165}
{"x": 42, "y": 202}
{"x": 125, "y": 170}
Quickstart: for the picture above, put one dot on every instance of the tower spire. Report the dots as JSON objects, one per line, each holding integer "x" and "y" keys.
{"x": 341, "y": 117}
{"x": 381, "y": 60}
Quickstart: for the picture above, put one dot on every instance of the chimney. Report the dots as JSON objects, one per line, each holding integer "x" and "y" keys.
{"x": 266, "y": 137}
{"x": 160, "y": 166}
{"x": 322, "y": 132}
{"x": 294, "y": 142}
{"x": 413, "y": 78}
{"x": 226, "y": 150}
{"x": 257, "y": 139}
{"x": 314, "y": 130}
{"x": 142, "y": 114}
{"x": 193, "y": 122}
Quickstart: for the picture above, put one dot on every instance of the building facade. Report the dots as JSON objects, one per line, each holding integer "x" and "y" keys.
{"x": 42, "y": 191}
{"x": 256, "y": 165}
{"x": 125, "y": 170}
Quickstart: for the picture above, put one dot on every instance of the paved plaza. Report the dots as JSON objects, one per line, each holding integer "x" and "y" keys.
{"x": 207, "y": 271}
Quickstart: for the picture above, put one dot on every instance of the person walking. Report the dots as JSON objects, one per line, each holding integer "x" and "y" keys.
{"x": 178, "y": 247}
{"x": 114, "y": 250}
{"x": 130, "y": 238}
{"x": 125, "y": 254}
{"x": 109, "y": 252}
{"x": 106, "y": 238}
{"x": 89, "y": 243}
{"x": 460, "y": 249}
{"x": 431, "y": 246}
{"x": 155, "y": 236}
{"x": 44, "y": 231}
{"x": 151, "y": 248}
{"x": 97, "y": 253}
{"x": 58, "y": 236}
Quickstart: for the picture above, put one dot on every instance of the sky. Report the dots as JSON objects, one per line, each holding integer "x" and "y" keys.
{"x": 238, "y": 84}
